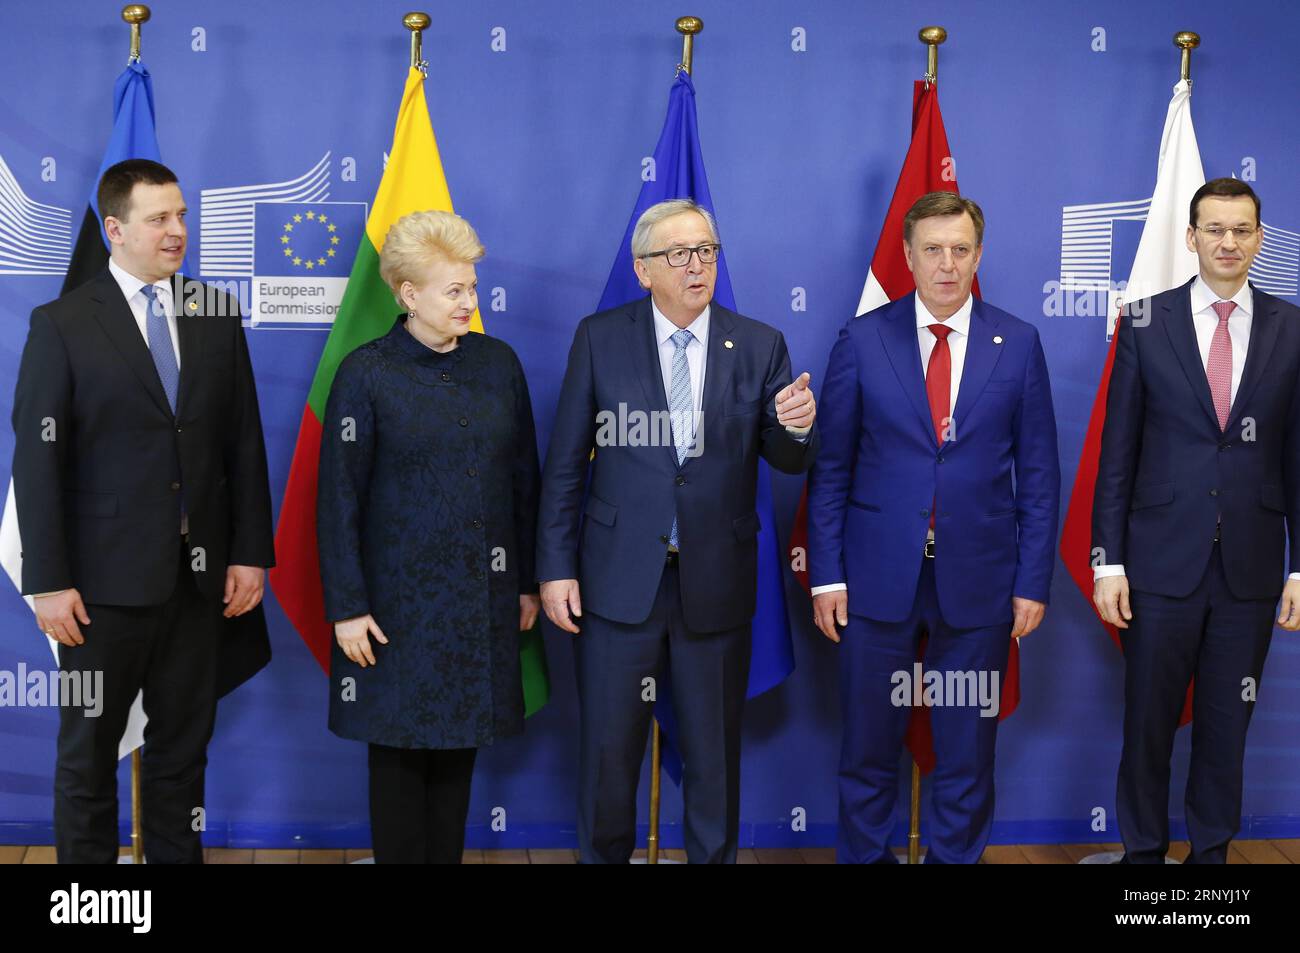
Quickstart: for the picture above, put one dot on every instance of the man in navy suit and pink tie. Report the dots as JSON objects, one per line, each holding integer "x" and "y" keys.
{"x": 1198, "y": 495}
{"x": 932, "y": 513}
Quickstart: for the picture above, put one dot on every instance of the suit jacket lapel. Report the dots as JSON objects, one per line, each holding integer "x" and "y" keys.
{"x": 645, "y": 355}
{"x": 898, "y": 335}
{"x": 1182, "y": 336}
{"x": 115, "y": 317}
{"x": 719, "y": 366}
{"x": 1263, "y": 335}
{"x": 982, "y": 356}
{"x": 190, "y": 311}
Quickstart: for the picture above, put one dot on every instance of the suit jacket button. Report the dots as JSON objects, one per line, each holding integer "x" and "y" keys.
{"x": 176, "y": 486}
{"x": 681, "y": 480}
{"x": 663, "y": 539}
{"x": 472, "y": 471}
{"x": 1214, "y": 493}
{"x": 925, "y": 512}
{"x": 940, "y": 459}
{"x": 178, "y": 429}
{"x": 477, "y": 524}
{"x": 446, "y": 376}
{"x": 1223, "y": 447}
{"x": 464, "y": 421}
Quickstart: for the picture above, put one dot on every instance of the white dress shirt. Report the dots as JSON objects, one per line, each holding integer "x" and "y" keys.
{"x": 139, "y": 304}
{"x": 1205, "y": 320}
{"x": 696, "y": 352}
{"x": 959, "y": 322}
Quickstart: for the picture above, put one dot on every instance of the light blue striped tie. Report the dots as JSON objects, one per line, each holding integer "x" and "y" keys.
{"x": 681, "y": 406}
{"x": 160, "y": 344}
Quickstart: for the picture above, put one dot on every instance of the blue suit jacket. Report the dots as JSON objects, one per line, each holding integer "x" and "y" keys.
{"x": 613, "y": 541}
{"x": 1167, "y": 473}
{"x": 881, "y": 470}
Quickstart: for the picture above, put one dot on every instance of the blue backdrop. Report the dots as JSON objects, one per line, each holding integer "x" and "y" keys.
{"x": 543, "y": 113}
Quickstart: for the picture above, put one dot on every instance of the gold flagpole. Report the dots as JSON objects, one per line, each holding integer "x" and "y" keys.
{"x": 931, "y": 36}
{"x": 417, "y": 22}
{"x": 687, "y": 27}
{"x": 1187, "y": 41}
{"x": 136, "y": 14}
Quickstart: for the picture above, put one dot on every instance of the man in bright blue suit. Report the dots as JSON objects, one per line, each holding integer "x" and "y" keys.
{"x": 652, "y": 546}
{"x": 1198, "y": 496}
{"x": 932, "y": 513}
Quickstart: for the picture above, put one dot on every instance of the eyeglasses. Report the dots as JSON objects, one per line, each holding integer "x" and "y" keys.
{"x": 1241, "y": 233}
{"x": 680, "y": 256}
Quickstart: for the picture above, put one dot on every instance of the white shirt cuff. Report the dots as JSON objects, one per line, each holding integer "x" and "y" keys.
{"x": 1294, "y": 575}
{"x": 842, "y": 587}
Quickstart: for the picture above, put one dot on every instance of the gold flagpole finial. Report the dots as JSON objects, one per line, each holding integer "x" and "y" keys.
{"x": 1187, "y": 41}
{"x": 932, "y": 36}
{"x": 135, "y": 14}
{"x": 688, "y": 27}
{"x": 416, "y": 23}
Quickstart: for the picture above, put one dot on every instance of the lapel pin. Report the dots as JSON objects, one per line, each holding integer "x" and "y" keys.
{"x": 194, "y": 306}
{"x": 997, "y": 339}
{"x": 728, "y": 344}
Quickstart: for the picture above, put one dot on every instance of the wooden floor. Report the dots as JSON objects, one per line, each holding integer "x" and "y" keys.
{"x": 1241, "y": 852}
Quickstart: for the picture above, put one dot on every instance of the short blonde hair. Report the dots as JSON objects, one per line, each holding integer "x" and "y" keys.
{"x": 416, "y": 240}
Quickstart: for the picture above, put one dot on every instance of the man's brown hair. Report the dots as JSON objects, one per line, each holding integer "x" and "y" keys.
{"x": 935, "y": 204}
{"x": 1222, "y": 188}
{"x": 114, "y": 194}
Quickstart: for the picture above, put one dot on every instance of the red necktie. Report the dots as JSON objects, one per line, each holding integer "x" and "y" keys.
{"x": 938, "y": 388}
{"x": 1219, "y": 367}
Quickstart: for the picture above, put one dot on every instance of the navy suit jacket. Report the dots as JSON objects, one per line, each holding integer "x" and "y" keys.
{"x": 1167, "y": 473}
{"x": 881, "y": 471}
{"x": 612, "y": 534}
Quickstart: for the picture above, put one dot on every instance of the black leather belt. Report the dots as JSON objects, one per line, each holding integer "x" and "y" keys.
{"x": 670, "y": 558}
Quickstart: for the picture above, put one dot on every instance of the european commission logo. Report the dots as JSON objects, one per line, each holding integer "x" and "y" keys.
{"x": 35, "y": 239}
{"x": 303, "y": 254}
{"x": 292, "y": 246}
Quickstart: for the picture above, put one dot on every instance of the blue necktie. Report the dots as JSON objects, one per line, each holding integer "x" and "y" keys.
{"x": 681, "y": 406}
{"x": 160, "y": 344}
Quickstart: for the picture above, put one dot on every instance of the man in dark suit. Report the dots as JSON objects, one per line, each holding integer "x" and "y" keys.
{"x": 656, "y": 553}
{"x": 1198, "y": 495}
{"x": 145, "y": 515}
{"x": 917, "y": 529}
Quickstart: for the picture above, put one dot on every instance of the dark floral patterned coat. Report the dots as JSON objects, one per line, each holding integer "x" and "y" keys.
{"x": 426, "y": 517}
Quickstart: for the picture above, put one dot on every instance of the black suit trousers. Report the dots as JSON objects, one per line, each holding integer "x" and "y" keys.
{"x": 1219, "y": 641}
{"x": 170, "y": 652}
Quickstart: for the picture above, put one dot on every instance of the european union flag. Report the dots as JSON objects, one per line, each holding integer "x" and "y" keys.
{"x": 306, "y": 239}
{"x": 678, "y": 173}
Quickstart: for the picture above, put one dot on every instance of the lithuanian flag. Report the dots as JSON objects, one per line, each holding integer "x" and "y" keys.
{"x": 413, "y": 181}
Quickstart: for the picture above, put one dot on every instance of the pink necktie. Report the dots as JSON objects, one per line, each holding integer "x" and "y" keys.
{"x": 1219, "y": 367}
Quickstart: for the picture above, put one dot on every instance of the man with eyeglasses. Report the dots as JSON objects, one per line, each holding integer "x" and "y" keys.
{"x": 1198, "y": 495}
{"x": 648, "y": 551}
